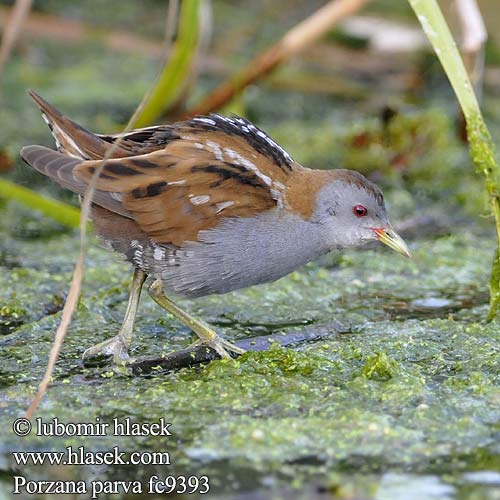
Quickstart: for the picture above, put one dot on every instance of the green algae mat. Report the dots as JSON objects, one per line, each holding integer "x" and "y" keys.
{"x": 407, "y": 399}
{"x": 402, "y": 402}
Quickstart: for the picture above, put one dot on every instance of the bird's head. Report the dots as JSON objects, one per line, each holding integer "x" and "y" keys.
{"x": 351, "y": 210}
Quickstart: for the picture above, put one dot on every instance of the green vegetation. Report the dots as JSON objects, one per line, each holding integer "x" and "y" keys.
{"x": 377, "y": 397}
{"x": 60, "y": 212}
{"x": 406, "y": 401}
{"x": 178, "y": 67}
{"x": 481, "y": 145}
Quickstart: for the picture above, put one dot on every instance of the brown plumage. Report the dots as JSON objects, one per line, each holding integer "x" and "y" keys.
{"x": 173, "y": 180}
{"x": 211, "y": 204}
{"x": 176, "y": 180}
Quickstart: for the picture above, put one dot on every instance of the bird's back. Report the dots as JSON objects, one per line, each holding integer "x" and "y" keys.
{"x": 199, "y": 204}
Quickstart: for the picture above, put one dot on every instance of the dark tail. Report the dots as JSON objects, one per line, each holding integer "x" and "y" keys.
{"x": 57, "y": 166}
{"x": 71, "y": 139}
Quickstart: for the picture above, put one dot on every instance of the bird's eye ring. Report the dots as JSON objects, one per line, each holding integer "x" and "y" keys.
{"x": 360, "y": 211}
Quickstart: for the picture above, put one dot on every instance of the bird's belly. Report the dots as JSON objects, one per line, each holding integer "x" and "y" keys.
{"x": 196, "y": 275}
{"x": 237, "y": 254}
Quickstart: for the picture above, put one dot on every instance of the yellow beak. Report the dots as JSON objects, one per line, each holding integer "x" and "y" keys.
{"x": 389, "y": 237}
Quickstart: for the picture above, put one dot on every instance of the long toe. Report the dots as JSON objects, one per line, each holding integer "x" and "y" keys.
{"x": 220, "y": 346}
{"x": 114, "y": 347}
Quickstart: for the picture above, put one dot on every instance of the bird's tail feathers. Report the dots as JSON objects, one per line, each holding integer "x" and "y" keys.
{"x": 71, "y": 138}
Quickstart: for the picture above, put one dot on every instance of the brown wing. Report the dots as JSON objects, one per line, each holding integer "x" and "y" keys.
{"x": 60, "y": 167}
{"x": 173, "y": 180}
{"x": 192, "y": 184}
{"x": 76, "y": 141}
{"x": 142, "y": 141}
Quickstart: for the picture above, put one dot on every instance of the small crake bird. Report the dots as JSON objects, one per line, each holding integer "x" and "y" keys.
{"x": 207, "y": 206}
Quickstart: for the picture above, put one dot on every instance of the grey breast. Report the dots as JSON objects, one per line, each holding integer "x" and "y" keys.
{"x": 238, "y": 253}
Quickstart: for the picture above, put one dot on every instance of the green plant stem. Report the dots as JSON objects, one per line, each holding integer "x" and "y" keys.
{"x": 57, "y": 210}
{"x": 177, "y": 69}
{"x": 481, "y": 145}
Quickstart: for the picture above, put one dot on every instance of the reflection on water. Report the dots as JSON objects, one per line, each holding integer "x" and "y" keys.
{"x": 394, "y": 486}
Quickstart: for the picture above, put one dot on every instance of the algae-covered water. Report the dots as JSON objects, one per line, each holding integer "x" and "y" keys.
{"x": 408, "y": 396}
{"x": 401, "y": 402}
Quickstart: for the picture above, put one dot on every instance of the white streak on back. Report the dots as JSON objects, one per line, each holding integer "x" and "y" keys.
{"x": 214, "y": 148}
{"x": 204, "y": 120}
{"x": 224, "y": 204}
{"x": 199, "y": 200}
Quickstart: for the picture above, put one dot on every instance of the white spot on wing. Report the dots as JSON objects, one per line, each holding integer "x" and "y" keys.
{"x": 204, "y": 120}
{"x": 117, "y": 196}
{"x": 158, "y": 253}
{"x": 248, "y": 164}
{"x": 73, "y": 155}
{"x": 214, "y": 148}
{"x": 199, "y": 200}
{"x": 276, "y": 194}
{"x": 224, "y": 204}
{"x": 58, "y": 133}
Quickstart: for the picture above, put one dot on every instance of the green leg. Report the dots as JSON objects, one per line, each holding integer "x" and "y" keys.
{"x": 206, "y": 335}
{"x": 118, "y": 345}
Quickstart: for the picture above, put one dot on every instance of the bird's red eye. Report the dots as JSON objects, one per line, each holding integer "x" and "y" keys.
{"x": 360, "y": 211}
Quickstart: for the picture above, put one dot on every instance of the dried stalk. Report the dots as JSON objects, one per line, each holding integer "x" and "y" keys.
{"x": 13, "y": 28}
{"x": 41, "y": 25}
{"x": 297, "y": 39}
{"x": 75, "y": 287}
{"x": 474, "y": 36}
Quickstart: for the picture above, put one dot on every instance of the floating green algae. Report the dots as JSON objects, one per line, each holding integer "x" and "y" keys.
{"x": 407, "y": 401}
{"x": 391, "y": 395}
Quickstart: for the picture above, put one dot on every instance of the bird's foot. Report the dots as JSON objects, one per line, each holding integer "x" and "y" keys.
{"x": 220, "y": 346}
{"x": 207, "y": 336}
{"x": 115, "y": 347}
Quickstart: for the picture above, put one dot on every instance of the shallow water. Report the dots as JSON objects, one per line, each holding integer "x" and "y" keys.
{"x": 408, "y": 397}
{"x": 404, "y": 404}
